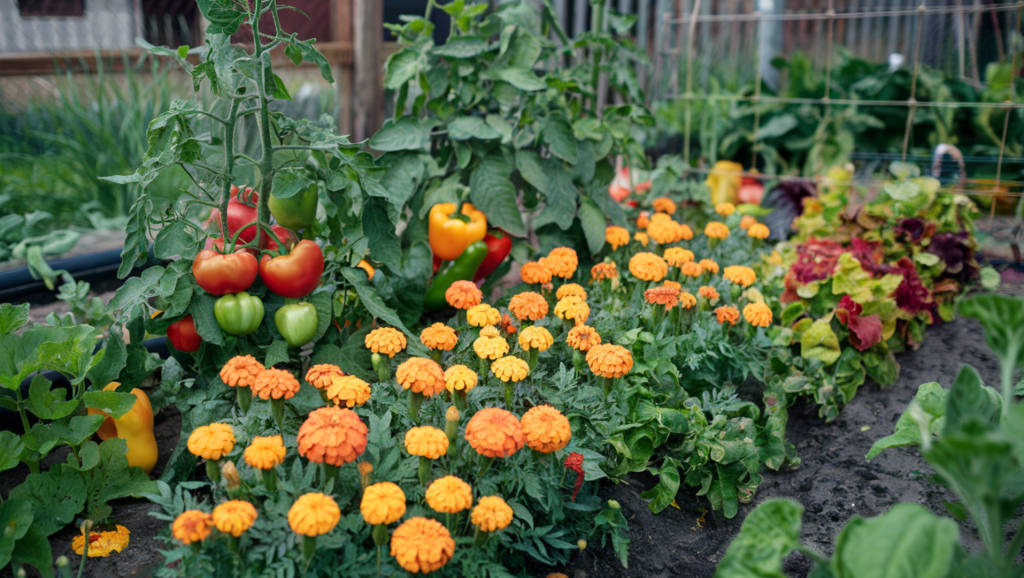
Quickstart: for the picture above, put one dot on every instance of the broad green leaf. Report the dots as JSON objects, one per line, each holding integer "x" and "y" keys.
{"x": 34, "y": 549}
{"x": 661, "y": 496}
{"x": 112, "y": 359}
{"x": 380, "y": 230}
{"x": 289, "y": 182}
{"x": 462, "y": 47}
{"x": 373, "y": 303}
{"x": 15, "y": 519}
{"x": 402, "y": 67}
{"x": 820, "y": 342}
{"x": 77, "y": 429}
{"x": 44, "y": 403}
{"x": 403, "y": 134}
{"x": 110, "y": 402}
{"x": 467, "y": 127}
{"x": 56, "y": 497}
{"x": 768, "y": 535}
{"x": 970, "y": 397}
{"x": 594, "y": 225}
{"x": 492, "y": 191}
{"x": 352, "y": 356}
{"x": 1003, "y": 319}
{"x": 778, "y": 126}
{"x": 12, "y": 317}
{"x": 521, "y": 78}
{"x": 175, "y": 241}
{"x": 111, "y": 479}
{"x": 10, "y": 448}
{"x": 560, "y": 137}
{"x": 907, "y": 541}
{"x": 851, "y": 279}
{"x": 931, "y": 399}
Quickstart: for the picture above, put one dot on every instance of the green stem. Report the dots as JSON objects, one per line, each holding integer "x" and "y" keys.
{"x": 415, "y": 401}
{"x": 213, "y": 470}
{"x": 596, "y": 27}
{"x": 534, "y": 356}
{"x": 229, "y": 165}
{"x": 244, "y": 396}
{"x": 85, "y": 554}
{"x": 21, "y": 410}
{"x": 308, "y": 542}
{"x": 607, "y": 383}
{"x": 277, "y": 409}
{"x": 424, "y": 470}
{"x": 269, "y": 479}
{"x": 330, "y": 472}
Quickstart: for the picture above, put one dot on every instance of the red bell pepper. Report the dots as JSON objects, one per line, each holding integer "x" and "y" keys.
{"x": 296, "y": 274}
{"x": 498, "y": 248}
{"x": 183, "y": 336}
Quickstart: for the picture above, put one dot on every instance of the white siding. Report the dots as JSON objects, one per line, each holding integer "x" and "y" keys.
{"x": 107, "y": 24}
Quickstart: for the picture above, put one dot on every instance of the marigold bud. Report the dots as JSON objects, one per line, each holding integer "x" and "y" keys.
{"x": 230, "y": 474}
{"x": 581, "y": 544}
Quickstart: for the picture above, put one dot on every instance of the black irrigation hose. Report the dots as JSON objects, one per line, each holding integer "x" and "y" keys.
{"x": 98, "y": 269}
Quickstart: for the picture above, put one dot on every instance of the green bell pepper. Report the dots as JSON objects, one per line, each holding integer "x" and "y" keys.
{"x": 461, "y": 269}
{"x": 239, "y": 313}
{"x": 296, "y": 323}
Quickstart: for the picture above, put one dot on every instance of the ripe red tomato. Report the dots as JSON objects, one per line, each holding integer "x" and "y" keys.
{"x": 289, "y": 238}
{"x": 221, "y": 274}
{"x": 241, "y": 211}
{"x": 183, "y": 335}
{"x": 296, "y": 274}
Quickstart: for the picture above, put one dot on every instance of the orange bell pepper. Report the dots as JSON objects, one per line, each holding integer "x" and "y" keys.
{"x": 452, "y": 230}
{"x": 134, "y": 427}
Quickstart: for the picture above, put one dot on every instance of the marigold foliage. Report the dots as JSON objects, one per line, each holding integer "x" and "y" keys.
{"x": 483, "y": 315}
{"x": 528, "y": 305}
{"x": 234, "y": 517}
{"x": 583, "y": 337}
{"x": 313, "y": 514}
{"x": 536, "y": 337}
{"x": 535, "y": 272}
{"x": 608, "y": 360}
{"x": 385, "y": 341}
{"x": 495, "y": 433}
{"x": 463, "y": 295}
{"x": 439, "y": 336}
{"x": 426, "y": 442}
{"x": 348, "y": 391}
{"x": 331, "y": 435}
{"x": 449, "y": 495}
{"x": 275, "y": 384}
{"x": 192, "y": 526}
{"x": 648, "y": 267}
{"x": 422, "y": 545}
{"x": 382, "y": 503}
{"x": 491, "y": 514}
{"x": 616, "y": 237}
{"x": 510, "y": 368}
{"x": 546, "y": 429}
{"x": 265, "y": 453}
{"x": 421, "y": 375}
{"x": 460, "y": 378}
{"x": 241, "y": 371}
{"x": 211, "y": 442}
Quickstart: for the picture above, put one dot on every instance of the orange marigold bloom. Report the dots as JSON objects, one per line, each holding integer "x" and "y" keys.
{"x": 663, "y": 232}
{"x": 461, "y": 378}
{"x": 386, "y": 341}
{"x": 758, "y": 314}
{"x": 463, "y": 295}
{"x": 510, "y": 368}
{"x": 528, "y": 305}
{"x": 333, "y": 436}
{"x": 535, "y": 272}
{"x": 348, "y": 391}
{"x": 604, "y": 271}
{"x": 426, "y": 442}
{"x": 740, "y": 275}
{"x": 192, "y": 526}
{"x": 212, "y": 441}
{"x": 677, "y": 256}
{"x": 102, "y": 544}
{"x": 683, "y": 233}
{"x": 276, "y": 384}
{"x": 616, "y": 237}
{"x": 709, "y": 266}
{"x": 673, "y": 284}
{"x": 607, "y": 360}
{"x": 234, "y": 517}
{"x": 489, "y": 346}
{"x": 422, "y": 545}
{"x": 708, "y": 292}
{"x": 716, "y": 230}
{"x": 641, "y": 238}
{"x": 265, "y": 453}
{"x": 687, "y": 300}
{"x": 546, "y": 429}
{"x": 691, "y": 270}
{"x": 571, "y": 289}
{"x": 449, "y": 495}
{"x": 667, "y": 296}
{"x": 495, "y": 433}
{"x": 583, "y": 337}
{"x": 572, "y": 308}
{"x": 664, "y": 205}
{"x": 727, "y": 313}
{"x": 644, "y": 220}
{"x": 382, "y": 503}
{"x": 439, "y": 336}
{"x": 321, "y": 376}
{"x": 566, "y": 262}
{"x": 421, "y": 375}
{"x": 747, "y": 221}
{"x": 535, "y": 337}
{"x": 648, "y": 267}
{"x": 241, "y": 371}
{"x": 758, "y": 231}
{"x": 491, "y": 514}
{"x": 483, "y": 315}
{"x": 313, "y": 514}
{"x": 725, "y": 209}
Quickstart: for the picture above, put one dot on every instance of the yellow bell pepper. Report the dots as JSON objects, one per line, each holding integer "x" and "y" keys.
{"x": 724, "y": 180}
{"x": 450, "y": 232}
{"x": 134, "y": 427}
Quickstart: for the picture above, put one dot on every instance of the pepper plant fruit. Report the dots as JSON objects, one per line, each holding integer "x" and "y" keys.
{"x": 135, "y": 427}
{"x": 221, "y": 274}
{"x": 461, "y": 269}
{"x": 239, "y": 314}
{"x": 453, "y": 228}
{"x": 295, "y": 274}
{"x": 498, "y": 248}
{"x": 297, "y": 323}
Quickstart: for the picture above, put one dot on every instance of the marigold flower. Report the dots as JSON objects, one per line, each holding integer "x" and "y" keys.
{"x": 313, "y": 514}
{"x": 709, "y": 266}
{"x": 331, "y": 435}
{"x": 670, "y": 283}
{"x": 506, "y": 325}
{"x": 265, "y": 453}
{"x": 608, "y": 360}
{"x": 421, "y": 375}
{"x": 677, "y": 256}
{"x": 747, "y": 221}
{"x": 483, "y": 315}
{"x": 716, "y": 230}
{"x": 546, "y": 429}
{"x": 536, "y": 337}
{"x": 571, "y": 289}
{"x": 510, "y": 368}
{"x": 422, "y": 545}
{"x": 648, "y": 267}
{"x": 683, "y": 233}
{"x": 348, "y": 391}
{"x": 192, "y": 526}
{"x": 662, "y": 232}
{"x": 386, "y": 341}
{"x": 382, "y": 503}
{"x": 758, "y": 231}
{"x": 572, "y": 308}
{"x": 664, "y": 205}
{"x": 641, "y": 238}
{"x": 725, "y": 209}
{"x": 495, "y": 433}
{"x": 535, "y": 272}
{"x": 426, "y": 441}
{"x": 583, "y": 337}
{"x": 276, "y": 384}
{"x": 449, "y": 495}
{"x": 758, "y": 314}
{"x": 439, "y": 336}
{"x": 574, "y": 461}
{"x": 321, "y": 376}
{"x": 691, "y": 270}
{"x": 528, "y": 305}
{"x": 212, "y": 441}
{"x": 616, "y": 237}
{"x": 234, "y": 517}
{"x": 461, "y": 378}
{"x": 490, "y": 346}
{"x": 667, "y": 296}
{"x": 708, "y": 292}
{"x": 491, "y": 514}
{"x": 740, "y": 275}
{"x": 565, "y": 262}
{"x": 241, "y": 371}
{"x": 604, "y": 271}
{"x": 463, "y": 295}
{"x": 727, "y": 313}
{"x": 103, "y": 544}
{"x": 644, "y": 220}
{"x": 687, "y": 300}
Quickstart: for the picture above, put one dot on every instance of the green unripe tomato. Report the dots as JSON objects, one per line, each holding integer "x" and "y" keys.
{"x": 239, "y": 313}
{"x": 296, "y": 323}
{"x": 297, "y": 211}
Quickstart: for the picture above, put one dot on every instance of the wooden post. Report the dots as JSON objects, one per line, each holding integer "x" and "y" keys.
{"x": 368, "y": 87}
{"x": 341, "y": 31}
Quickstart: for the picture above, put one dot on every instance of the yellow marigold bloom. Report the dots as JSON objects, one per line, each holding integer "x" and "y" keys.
{"x": 265, "y": 453}
{"x": 607, "y": 360}
{"x": 758, "y": 314}
{"x": 495, "y": 433}
{"x": 211, "y": 441}
{"x": 687, "y": 300}
{"x": 565, "y": 260}
{"x": 536, "y": 337}
{"x": 439, "y": 336}
{"x": 421, "y": 375}
{"x": 510, "y": 368}
{"x": 528, "y": 305}
{"x": 709, "y": 266}
{"x": 648, "y": 267}
{"x": 348, "y": 391}
{"x": 661, "y": 218}
{"x": 276, "y": 384}
{"x": 677, "y": 256}
{"x": 491, "y": 514}
{"x": 192, "y": 526}
{"x": 321, "y": 376}
{"x": 490, "y": 331}
{"x": 716, "y": 230}
{"x": 571, "y": 289}
{"x": 708, "y": 292}
{"x": 333, "y": 436}
{"x": 758, "y": 231}
{"x": 740, "y": 275}
{"x": 490, "y": 346}
{"x": 727, "y": 313}
{"x": 426, "y": 442}
{"x": 463, "y": 295}
{"x": 422, "y": 545}
{"x": 643, "y": 221}
{"x": 103, "y": 544}
{"x": 725, "y": 209}
{"x": 604, "y": 271}
{"x": 664, "y": 205}
{"x": 234, "y": 517}
{"x": 546, "y": 429}
{"x": 535, "y": 272}
{"x": 641, "y": 238}
{"x": 616, "y": 237}
{"x": 582, "y": 338}
{"x": 691, "y": 270}
{"x": 572, "y": 308}
{"x": 667, "y": 296}
{"x": 483, "y": 315}
{"x": 382, "y": 503}
{"x": 683, "y": 233}
{"x": 241, "y": 371}
{"x": 313, "y": 514}
{"x": 775, "y": 258}
{"x": 662, "y": 232}
{"x": 386, "y": 341}
{"x": 461, "y": 378}
{"x": 449, "y": 495}
{"x": 670, "y": 283}
{"x": 747, "y": 221}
